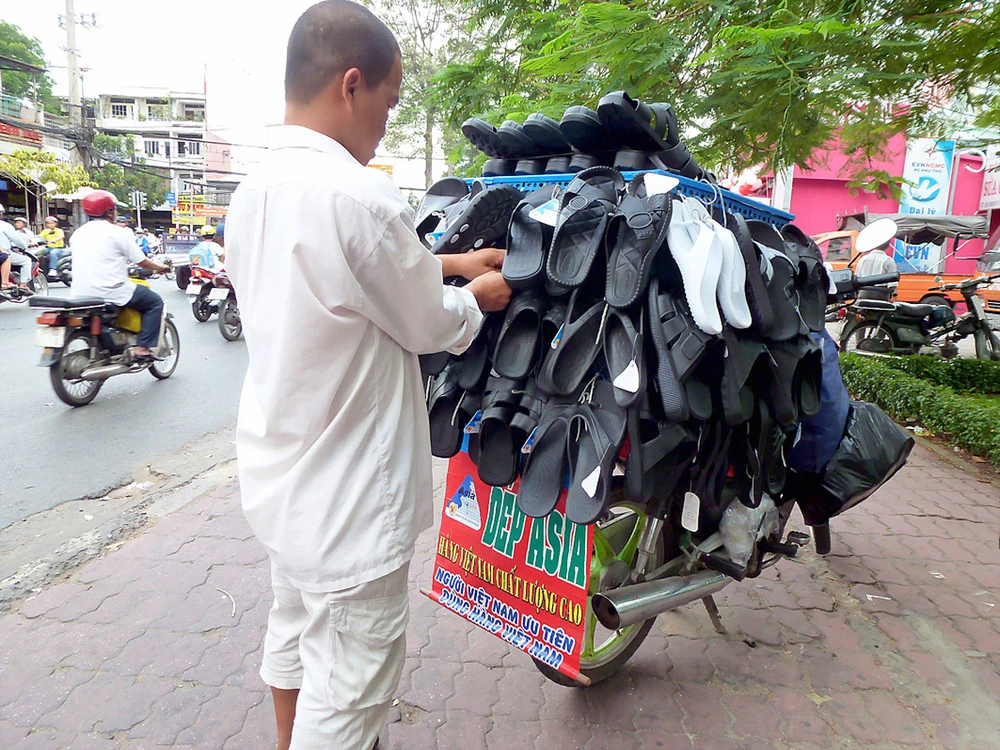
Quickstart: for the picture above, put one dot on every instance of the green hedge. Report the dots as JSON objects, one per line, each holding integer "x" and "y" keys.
{"x": 959, "y": 373}
{"x": 970, "y": 422}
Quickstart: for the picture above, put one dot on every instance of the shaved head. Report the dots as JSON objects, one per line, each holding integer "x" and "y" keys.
{"x": 331, "y": 38}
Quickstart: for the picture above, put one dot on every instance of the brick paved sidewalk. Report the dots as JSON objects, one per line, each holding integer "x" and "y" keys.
{"x": 894, "y": 640}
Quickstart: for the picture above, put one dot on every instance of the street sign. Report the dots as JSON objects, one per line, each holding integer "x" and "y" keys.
{"x": 172, "y": 199}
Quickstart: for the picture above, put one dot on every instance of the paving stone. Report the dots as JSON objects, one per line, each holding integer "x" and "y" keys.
{"x": 846, "y": 712}
{"x": 773, "y": 667}
{"x": 656, "y": 706}
{"x": 520, "y": 694}
{"x": 221, "y": 660}
{"x": 54, "y": 597}
{"x": 561, "y": 735}
{"x": 604, "y": 738}
{"x": 16, "y": 679}
{"x": 610, "y": 704}
{"x": 432, "y": 684}
{"x": 464, "y": 731}
{"x": 220, "y": 552}
{"x": 36, "y": 704}
{"x": 690, "y": 660}
{"x": 258, "y": 730}
{"x": 475, "y": 690}
{"x": 47, "y": 738}
{"x": 178, "y": 652}
{"x": 220, "y": 718}
{"x": 897, "y": 723}
{"x": 731, "y": 658}
{"x": 403, "y": 736}
{"x": 93, "y": 742}
{"x": 122, "y": 715}
{"x": 802, "y": 721}
{"x": 703, "y": 709}
{"x": 485, "y": 648}
{"x": 752, "y": 717}
{"x": 172, "y": 714}
{"x": 508, "y": 733}
{"x": 660, "y": 738}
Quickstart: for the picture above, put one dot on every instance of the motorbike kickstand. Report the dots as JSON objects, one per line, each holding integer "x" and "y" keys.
{"x": 713, "y": 613}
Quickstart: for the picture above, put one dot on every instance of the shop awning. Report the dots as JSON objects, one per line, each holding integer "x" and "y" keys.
{"x": 917, "y": 229}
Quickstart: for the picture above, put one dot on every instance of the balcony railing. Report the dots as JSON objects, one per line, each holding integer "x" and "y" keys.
{"x": 10, "y": 106}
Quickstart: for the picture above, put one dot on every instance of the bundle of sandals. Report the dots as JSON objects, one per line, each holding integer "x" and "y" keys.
{"x": 654, "y": 344}
{"x": 624, "y": 133}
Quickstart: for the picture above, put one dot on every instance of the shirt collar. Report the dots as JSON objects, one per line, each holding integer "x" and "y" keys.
{"x": 296, "y": 136}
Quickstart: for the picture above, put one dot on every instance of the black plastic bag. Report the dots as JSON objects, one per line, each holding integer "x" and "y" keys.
{"x": 872, "y": 450}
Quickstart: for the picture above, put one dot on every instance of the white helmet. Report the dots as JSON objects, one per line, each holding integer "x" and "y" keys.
{"x": 2, "y": 209}
{"x": 876, "y": 234}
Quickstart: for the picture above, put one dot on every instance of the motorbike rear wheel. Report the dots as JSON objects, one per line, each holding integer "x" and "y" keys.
{"x": 230, "y": 324}
{"x": 75, "y": 357}
{"x": 201, "y": 306}
{"x": 39, "y": 285}
{"x": 867, "y": 338}
{"x": 616, "y": 540}
{"x": 165, "y": 368}
{"x": 987, "y": 343}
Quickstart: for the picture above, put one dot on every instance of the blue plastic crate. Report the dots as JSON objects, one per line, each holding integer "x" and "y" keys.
{"x": 750, "y": 208}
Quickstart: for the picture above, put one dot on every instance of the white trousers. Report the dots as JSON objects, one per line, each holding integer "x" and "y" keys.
{"x": 344, "y": 651}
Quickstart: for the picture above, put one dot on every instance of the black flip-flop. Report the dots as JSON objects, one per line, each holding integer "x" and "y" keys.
{"x": 474, "y": 366}
{"x": 482, "y": 223}
{"x": 499, "y": 448}
{"x": 680, "y": 346}
{"x": 636, "y": 232}
{"x": 580, "y": 162}
{"x": 518, "y": 343}
{"x": 813, "y": 280}
{"x": 745, "y": 360}
{"x": 546, "y": 133}
{"x": 659, "y": 452}
{"x": 528, "y": 243}
{"x": 756, "y": 286}
{"x": 629, "y": 160}
{"x": 584, "y": 130}
{"x": 433, "y": 364}
{"x": 443, "y": 193}
{"x": 444, "y": 414}
{"x": 499, "y": 167}
{"x": 530, "y": 167}
{"x": 584, "y": 211}
{"x": 796, "y": 382}
{"x": 518, "y": 142}
{"x": 557, "y": 165}
{"x": 639, "y": 126}
{"x": 545, "y": 466}
{"x": 624, "y": 353}
{"x": 566, "y": 365}
{"x": 677, "y": 159}
{"x": 484, "y": 136}
{"x": 596, "y": 433}
{"x": 784, "y": 295}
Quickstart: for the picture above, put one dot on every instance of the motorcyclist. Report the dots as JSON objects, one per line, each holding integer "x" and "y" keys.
{"x": 10, "y": 242}
{"x": 875, "y": 240}
{"x": 220, "y": 240}
{"x": 55, "y": 241}
{"x": 206, "y": 253}
{"x": 101, "y": 254}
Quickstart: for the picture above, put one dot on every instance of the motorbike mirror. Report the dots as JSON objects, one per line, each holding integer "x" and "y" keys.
{"x": 938, "y": 279}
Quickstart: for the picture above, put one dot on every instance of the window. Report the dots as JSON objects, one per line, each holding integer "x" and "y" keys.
{"x": 181, "y": 148}
{"x": 152, "y": 148}
{"x": 194, "y": 148}
{"x": 839, "y": 248}
{"x": 119, "y": 110}
{"x": 194, "y": 112}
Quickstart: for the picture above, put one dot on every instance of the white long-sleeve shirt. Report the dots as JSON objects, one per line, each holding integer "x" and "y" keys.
{"x": 10, "y": 238}
{"x": 337, "y": 298}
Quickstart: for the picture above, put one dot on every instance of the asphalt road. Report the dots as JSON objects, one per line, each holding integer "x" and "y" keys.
{"x": 51, "y": 453}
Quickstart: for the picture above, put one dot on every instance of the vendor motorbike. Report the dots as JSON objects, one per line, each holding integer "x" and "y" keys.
{"x": 644, "y": 563}
{"x": 86, "y": 341}
{"x": 229, "y": 314}
{"x": 204, "y": 296}
{"x": 38, "y": 283}
{"x": 876, "y": 326}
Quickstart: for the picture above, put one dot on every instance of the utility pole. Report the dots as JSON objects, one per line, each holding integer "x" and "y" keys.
{"x": 80, "y": 153}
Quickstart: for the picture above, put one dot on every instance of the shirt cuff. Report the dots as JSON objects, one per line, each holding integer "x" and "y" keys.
{"x": 463, "y": 302}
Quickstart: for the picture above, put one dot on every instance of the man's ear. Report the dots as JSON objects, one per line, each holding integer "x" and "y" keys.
{"x": 353, "y": 80}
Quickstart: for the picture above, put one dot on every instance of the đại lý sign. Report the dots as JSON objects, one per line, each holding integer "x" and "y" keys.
{"x": 522, "y": 579}
{"x": 927, "y": 173}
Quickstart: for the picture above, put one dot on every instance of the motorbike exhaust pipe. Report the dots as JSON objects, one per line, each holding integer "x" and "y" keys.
{"x": 633, "y": 604}
{"x": 103, "y": 373}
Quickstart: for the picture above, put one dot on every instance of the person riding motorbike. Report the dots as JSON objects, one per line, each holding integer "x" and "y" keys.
{"x": 55, "y": 241}
{"x": 207, "y": 253}
{"x": 874, "y": 240}
{"x": 101, "y": 254}
{"x": 10, "y": 242}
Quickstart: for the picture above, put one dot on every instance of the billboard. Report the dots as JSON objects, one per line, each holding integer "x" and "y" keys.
{"x": 927, "y": 174}
{"x": 990, "y": 197}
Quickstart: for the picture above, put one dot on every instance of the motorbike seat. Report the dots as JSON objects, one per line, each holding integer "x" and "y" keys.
{"x": 58, "y": 303}
{"x": 914, "y": 311}
{"x": 874, "y": 304}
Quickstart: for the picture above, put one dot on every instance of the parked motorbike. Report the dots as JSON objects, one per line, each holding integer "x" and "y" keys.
{"x": 876, "y": 326}
{"x": 205, "y": 297}
{"x": 38, "y": 283}
{"x": 229, "y": 314}
{"x": 645, "y": 563}
{"x": 86, "y": 341}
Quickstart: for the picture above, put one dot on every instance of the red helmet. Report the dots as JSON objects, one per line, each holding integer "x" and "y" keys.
{"x": 99, "y": 203}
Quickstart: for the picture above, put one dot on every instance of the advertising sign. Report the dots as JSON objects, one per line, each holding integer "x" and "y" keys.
{"x": 928, "y": 180}
{"x": 522, "y": 579}
{"x": 990, "y": 197}
{"x": 172, "y": 199}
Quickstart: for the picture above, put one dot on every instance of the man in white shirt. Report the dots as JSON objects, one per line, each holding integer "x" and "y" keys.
{"x": 875, "y": 241}
{"x": 101, "y": 254}
{"x": 337, "y": 299}
{"x": 11, "y": 241}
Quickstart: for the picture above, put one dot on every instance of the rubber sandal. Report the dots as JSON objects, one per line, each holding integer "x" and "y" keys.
{"x": 762, "y": 316}
{"x": 546, "y": 133}
{"x": 580, "y": 162}
{"x": 557, "y": 165}
{"x": 530, "y": 167}
{"x": 628, "y": 160}
{"x": 482, "y": 222}
{"x": 596, "y": 434}
{"x": 659, "y": 453}
{"x": 474, "y": 366}
{"x": 518, "y": 142}
{"x": 624, "y": 353}
{"x": 433, "y": 364}
{"x": 529, "y": 412}
{"x": 695, "y": 249}
{"x": 797, "y": 379}
{"x": 731, "y": 292}
{"x": 528, "y": 243}
{"x": 545, "y": 467}
{"x": 813, "y": 280}
{"x": 680, "y": 346}
{"x": 566, "y": 366}
{"x": 443, "y": 414}
{"x": 584, "y": 130}
{"x": 638, "y": 125}
{"x": 784, "y": 296}
{"x": 517, "y": 347}
{"x": 636, "y": 233}
{"x": 677, "y": 159}
{"x": 552, "y": 324}
{"x": 745, "y": 362}
{"x": 443, "y": 193}
{"x": 499, "y": 449}
{"x": 584, "y": 210}
{"x": 499, "y": 167}
{"x": 485, "y": 137}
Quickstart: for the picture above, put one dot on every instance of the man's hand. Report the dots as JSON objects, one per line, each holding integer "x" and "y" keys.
{"x": 491, "y": 291}
{"x": 472, "y": 265}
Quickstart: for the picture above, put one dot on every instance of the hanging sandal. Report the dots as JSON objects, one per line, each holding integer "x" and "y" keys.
{"x": 596, "y": 433}
{"x": 567, "y": 364}
{"x": 659, "y": 452}
{"x": 695, "y": 249}
{"x": 517, "y": 344}
{"x": 624, "y": 353}
{"x": 484, "y": 136}
{"x": 482, "y": 222}
{"x": 639, "y": 126}
{"x": 546, "y": 133}
{"x": 761, "y": 314}
{"x": 636, "y": 232}
{"x": 443, "y": 193}
{"x": 528, "y": 243}
{"x": 444, "y": 414}
{"x": 546, "y": 465}
{"x": 499, "y": 449}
